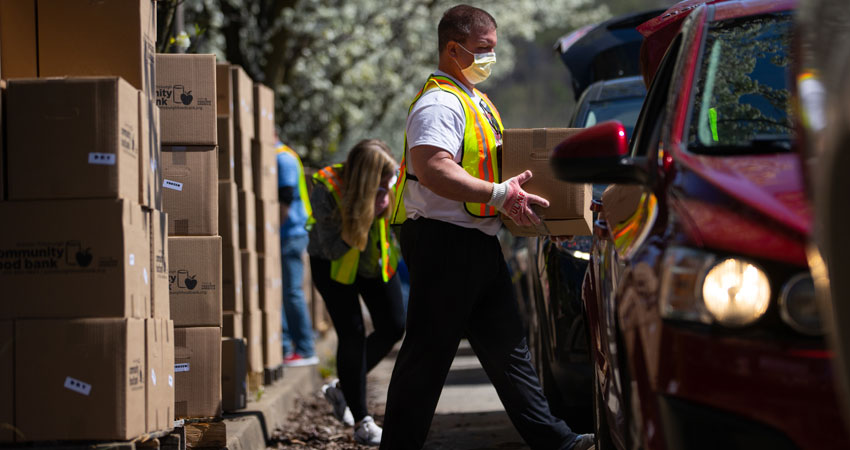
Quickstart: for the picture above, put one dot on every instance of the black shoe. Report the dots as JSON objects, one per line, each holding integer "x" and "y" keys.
{"x": 585, "y": 442}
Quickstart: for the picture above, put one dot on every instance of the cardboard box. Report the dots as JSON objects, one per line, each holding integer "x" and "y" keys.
{"x": 569, "y": 203}
{"x": 2, "y": 140}
{"x": 270, "y": 274}
{"x": 7, "y": 380}
{"x": 95, "y": 123}
{"x": 190, "y": 190}
{"x": 231, "y": 325}
{"x": 268, "y": 227}
{"x": 186, "y": 96}
{"x": 228, "y": 213}
{"x": 264, "y": 160}
{"x": 247, "y": 221}
{"x": 194, "y": 267}
{"x": 159, "y": 360}
{"x": 197, "y": 367}
{"x": 234, "y": 374}
{"x": 264, "y": 126}
{"x": 243, "y": 171}
{"x": 253, "y": 328}
{"x": 160, "y": 296}
{"x": 18, "y": 39}
{"x": 243, "y": 102}
{"x": 91, "y": 373}
{"x": 150, "y": 154}
{"x": 231, "y": 279}
{"x": 223, "y": 90}
{"x": 86, "y": 38}
{"x": 226, "y": 157}
{"x": 75, "y": 258}
{"x": 272, "y": 345}
{"x": 250, "y": 282}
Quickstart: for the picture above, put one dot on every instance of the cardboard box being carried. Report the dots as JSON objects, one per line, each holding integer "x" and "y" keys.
{"x": 81, "y": 379}
{"x": 253, "y": 328}
{"x": 86, "y": 38}
{"x": 569, "y": 203}
{"x": 18, "y": 39}
{"x": 7, "y": 380}
{"x": 264, "y": 129}
{"x": 231, "y": 325}
{"x": 194, "y": 267}
{"x": 264, "y": 160}
{"x": 197, "y": 367}
{"x": 243, "y": 102}
{"x": 159, "y": 357}
{"x": 72, "y": 138}
{"x": 186, "y": 96}
{"x": 190, "y": 190}
{"x": 234, "y": 381}
{"x": 75, "y": 258}
{"x": 160, "y": 296}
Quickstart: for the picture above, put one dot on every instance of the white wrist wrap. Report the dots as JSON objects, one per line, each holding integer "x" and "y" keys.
{"x": 497, "y": 198}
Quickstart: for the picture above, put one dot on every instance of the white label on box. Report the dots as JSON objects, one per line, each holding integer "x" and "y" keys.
{"x": 153, "y": 377}
{"x": 153, "y": 164}
{"x": 170, "y": 381}
{"x": 175, "y": 185}
{"x": 102, "y": 159}
{"x": 77, "y": 386}
{"x": 182, "y": 367}
{"x": 145, "y": 274}
{"x": 232, "y": 163}
{"x": 132, "y": 259}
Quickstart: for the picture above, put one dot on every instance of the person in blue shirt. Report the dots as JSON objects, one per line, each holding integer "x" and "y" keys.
{"x": 298, "y": 346}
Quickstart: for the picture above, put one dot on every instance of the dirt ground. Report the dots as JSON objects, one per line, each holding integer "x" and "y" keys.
{"x": 312, "y": 425}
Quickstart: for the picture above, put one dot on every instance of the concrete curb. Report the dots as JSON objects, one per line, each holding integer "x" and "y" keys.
{"x": 252, "y": 427}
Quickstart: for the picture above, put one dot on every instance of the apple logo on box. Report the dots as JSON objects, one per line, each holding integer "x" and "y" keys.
{"x": 84, "y": 257}
{"x": 191, "y": 282}
{"x": 186, "y": 98}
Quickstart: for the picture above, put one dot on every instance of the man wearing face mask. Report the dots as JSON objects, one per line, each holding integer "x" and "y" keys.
{"x": 448, "y": 198}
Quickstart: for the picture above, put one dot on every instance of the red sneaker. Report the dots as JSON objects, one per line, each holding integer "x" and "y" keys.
{"x": 296, "y": 360}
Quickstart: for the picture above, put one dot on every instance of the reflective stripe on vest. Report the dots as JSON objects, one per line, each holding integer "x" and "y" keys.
{"x": 344, "y": 269}
{"x": 479, "y": 152}
{"x": 302, "y": 181}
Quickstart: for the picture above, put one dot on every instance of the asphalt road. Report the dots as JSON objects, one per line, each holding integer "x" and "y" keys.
{"x": 469, "y": 415}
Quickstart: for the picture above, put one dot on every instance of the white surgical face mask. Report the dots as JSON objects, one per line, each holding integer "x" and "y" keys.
{"x": 480, "y": 68}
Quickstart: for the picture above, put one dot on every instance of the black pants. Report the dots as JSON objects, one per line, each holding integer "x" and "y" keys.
{"x": 357, "y": 354}
{"x": 460, "y": 287}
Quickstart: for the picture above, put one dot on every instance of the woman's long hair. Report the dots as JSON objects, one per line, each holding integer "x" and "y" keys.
{"x": 368, "y": 162}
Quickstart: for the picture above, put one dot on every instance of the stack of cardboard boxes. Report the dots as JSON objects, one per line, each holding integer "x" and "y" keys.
{"x": 186, "y": 96}
{"x": 242, "y": 118}
{"x": 86, "y": 340}
{"x": 233, "y": 344}
{"x": 264, "y": 160}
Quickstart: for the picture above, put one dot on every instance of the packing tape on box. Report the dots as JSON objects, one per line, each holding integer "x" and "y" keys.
{"x": 77, "y": 386}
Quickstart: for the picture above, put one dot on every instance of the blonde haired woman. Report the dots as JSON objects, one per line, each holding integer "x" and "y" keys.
{"x": 352, "y": 254}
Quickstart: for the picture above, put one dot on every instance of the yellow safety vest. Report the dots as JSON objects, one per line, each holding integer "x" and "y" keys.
{"x": 344, "y": 269}
{"x": 480, "y": 149}
{"x": 302, "y": 183}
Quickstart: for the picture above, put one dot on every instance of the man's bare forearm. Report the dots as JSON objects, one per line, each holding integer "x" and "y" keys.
{"x": 436, "y": 170}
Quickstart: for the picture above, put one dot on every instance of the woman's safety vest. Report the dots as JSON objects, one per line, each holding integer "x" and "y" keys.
{"x": 344, "y": 269}
{"x": 480, "y": 149}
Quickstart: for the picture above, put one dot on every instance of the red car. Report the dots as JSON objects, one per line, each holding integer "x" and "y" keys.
{"x": 704, "y": 329}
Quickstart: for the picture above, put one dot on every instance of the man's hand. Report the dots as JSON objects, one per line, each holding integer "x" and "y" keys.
{"x": 509, "y": 198}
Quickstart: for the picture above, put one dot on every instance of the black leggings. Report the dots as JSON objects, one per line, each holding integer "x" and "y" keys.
{"x": 356, "y": 353}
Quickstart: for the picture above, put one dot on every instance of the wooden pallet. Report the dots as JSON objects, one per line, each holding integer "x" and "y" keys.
{"x": 255, "y": 383}
{"x": 149, "y": 441}
{"x": 272, "y": 374}
{"x": 205, "y": 433}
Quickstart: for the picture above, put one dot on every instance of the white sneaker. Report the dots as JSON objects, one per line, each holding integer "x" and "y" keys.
{"x": 334, "y": 396}
{"x": 368, "y": 432}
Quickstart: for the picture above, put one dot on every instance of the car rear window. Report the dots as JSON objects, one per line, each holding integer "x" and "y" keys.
{"x": 741, "y": 101}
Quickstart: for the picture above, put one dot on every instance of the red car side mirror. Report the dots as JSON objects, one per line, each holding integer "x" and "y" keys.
{"x": 598, "y": 154}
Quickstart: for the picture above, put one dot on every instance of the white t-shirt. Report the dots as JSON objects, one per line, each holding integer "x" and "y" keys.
{"x": 437, "y": 119}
